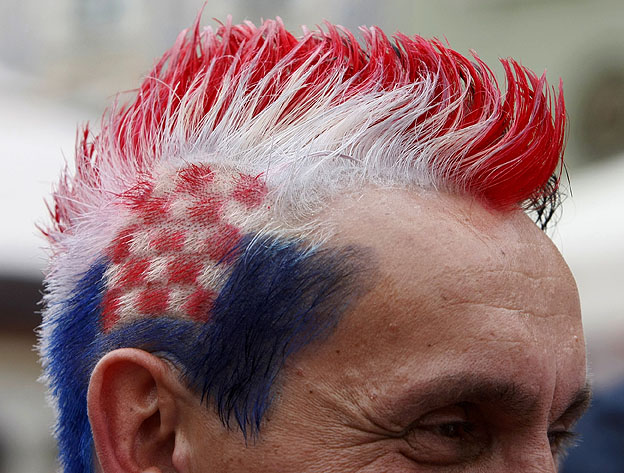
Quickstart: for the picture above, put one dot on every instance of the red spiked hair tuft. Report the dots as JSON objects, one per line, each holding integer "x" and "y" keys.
{"x": 501, "y": 147}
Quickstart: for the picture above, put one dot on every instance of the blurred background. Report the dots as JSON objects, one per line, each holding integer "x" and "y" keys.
{"x": 62, "y": 62}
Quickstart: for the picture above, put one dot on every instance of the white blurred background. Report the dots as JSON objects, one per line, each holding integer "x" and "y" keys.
{"x": 62, "y": 61}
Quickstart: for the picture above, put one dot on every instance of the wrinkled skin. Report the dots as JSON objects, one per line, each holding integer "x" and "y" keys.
{"x": 467, "y": 355}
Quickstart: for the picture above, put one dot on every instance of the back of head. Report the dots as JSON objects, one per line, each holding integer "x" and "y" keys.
{"x": 191, "y": 225}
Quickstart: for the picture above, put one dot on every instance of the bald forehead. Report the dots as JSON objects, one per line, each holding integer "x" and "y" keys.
{"x": 431, "y": 248}
{"x": 459, "y": 289}
{"x": 418, "y": 208}
{"x": 439, "y": 226}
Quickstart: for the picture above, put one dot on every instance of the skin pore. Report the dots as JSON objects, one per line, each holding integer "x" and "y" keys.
{"x": 467, "y": 355}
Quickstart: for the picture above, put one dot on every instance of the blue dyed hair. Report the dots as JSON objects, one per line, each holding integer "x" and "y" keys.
{"x": 278, "y": 298}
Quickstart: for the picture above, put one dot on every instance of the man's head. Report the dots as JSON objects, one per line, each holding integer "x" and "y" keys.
{"x": 304, "y": 255}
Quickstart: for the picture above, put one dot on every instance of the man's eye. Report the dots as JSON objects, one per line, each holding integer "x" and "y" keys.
{"x": 455, "y": 430}
{"x": 560, "y": 441}
{"x": 447, "y": 436}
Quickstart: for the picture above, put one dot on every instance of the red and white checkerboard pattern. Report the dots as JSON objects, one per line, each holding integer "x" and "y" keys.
{"x": 172, "y": 256}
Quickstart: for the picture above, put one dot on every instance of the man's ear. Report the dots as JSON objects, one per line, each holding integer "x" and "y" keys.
{"x": 134, "y": 404}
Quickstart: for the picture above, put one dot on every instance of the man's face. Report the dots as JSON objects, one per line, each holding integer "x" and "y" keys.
{"x": 466, "y": 355}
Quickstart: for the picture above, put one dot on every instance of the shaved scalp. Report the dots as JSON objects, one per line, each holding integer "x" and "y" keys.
{"x": 190, "y": 226}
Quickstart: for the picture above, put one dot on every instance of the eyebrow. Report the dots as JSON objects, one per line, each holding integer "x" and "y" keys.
{"x": 579, "y": 403}
{"x": 518, "y": 400}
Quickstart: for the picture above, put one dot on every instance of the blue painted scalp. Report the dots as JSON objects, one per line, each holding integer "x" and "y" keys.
{"x": 278, "y": 298}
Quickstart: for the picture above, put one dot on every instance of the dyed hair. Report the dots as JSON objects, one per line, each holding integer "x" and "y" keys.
{"x": 189, "y": 227}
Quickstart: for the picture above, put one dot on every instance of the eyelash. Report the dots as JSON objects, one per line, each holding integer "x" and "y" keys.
{"x": 448, "y": 436}
{"x": 560, "y": 441}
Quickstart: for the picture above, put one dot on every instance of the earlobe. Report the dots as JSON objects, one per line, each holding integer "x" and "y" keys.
{"x": 133, "y": 409}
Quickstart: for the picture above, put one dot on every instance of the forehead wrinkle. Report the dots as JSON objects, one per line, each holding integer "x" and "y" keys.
{"x": 503, "y": 288}
{"x": 522, "y": 311}
{"x": 526, "y": 274}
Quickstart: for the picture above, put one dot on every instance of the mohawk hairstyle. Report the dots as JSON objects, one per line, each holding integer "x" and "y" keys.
{"x": 188, "y": 227}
